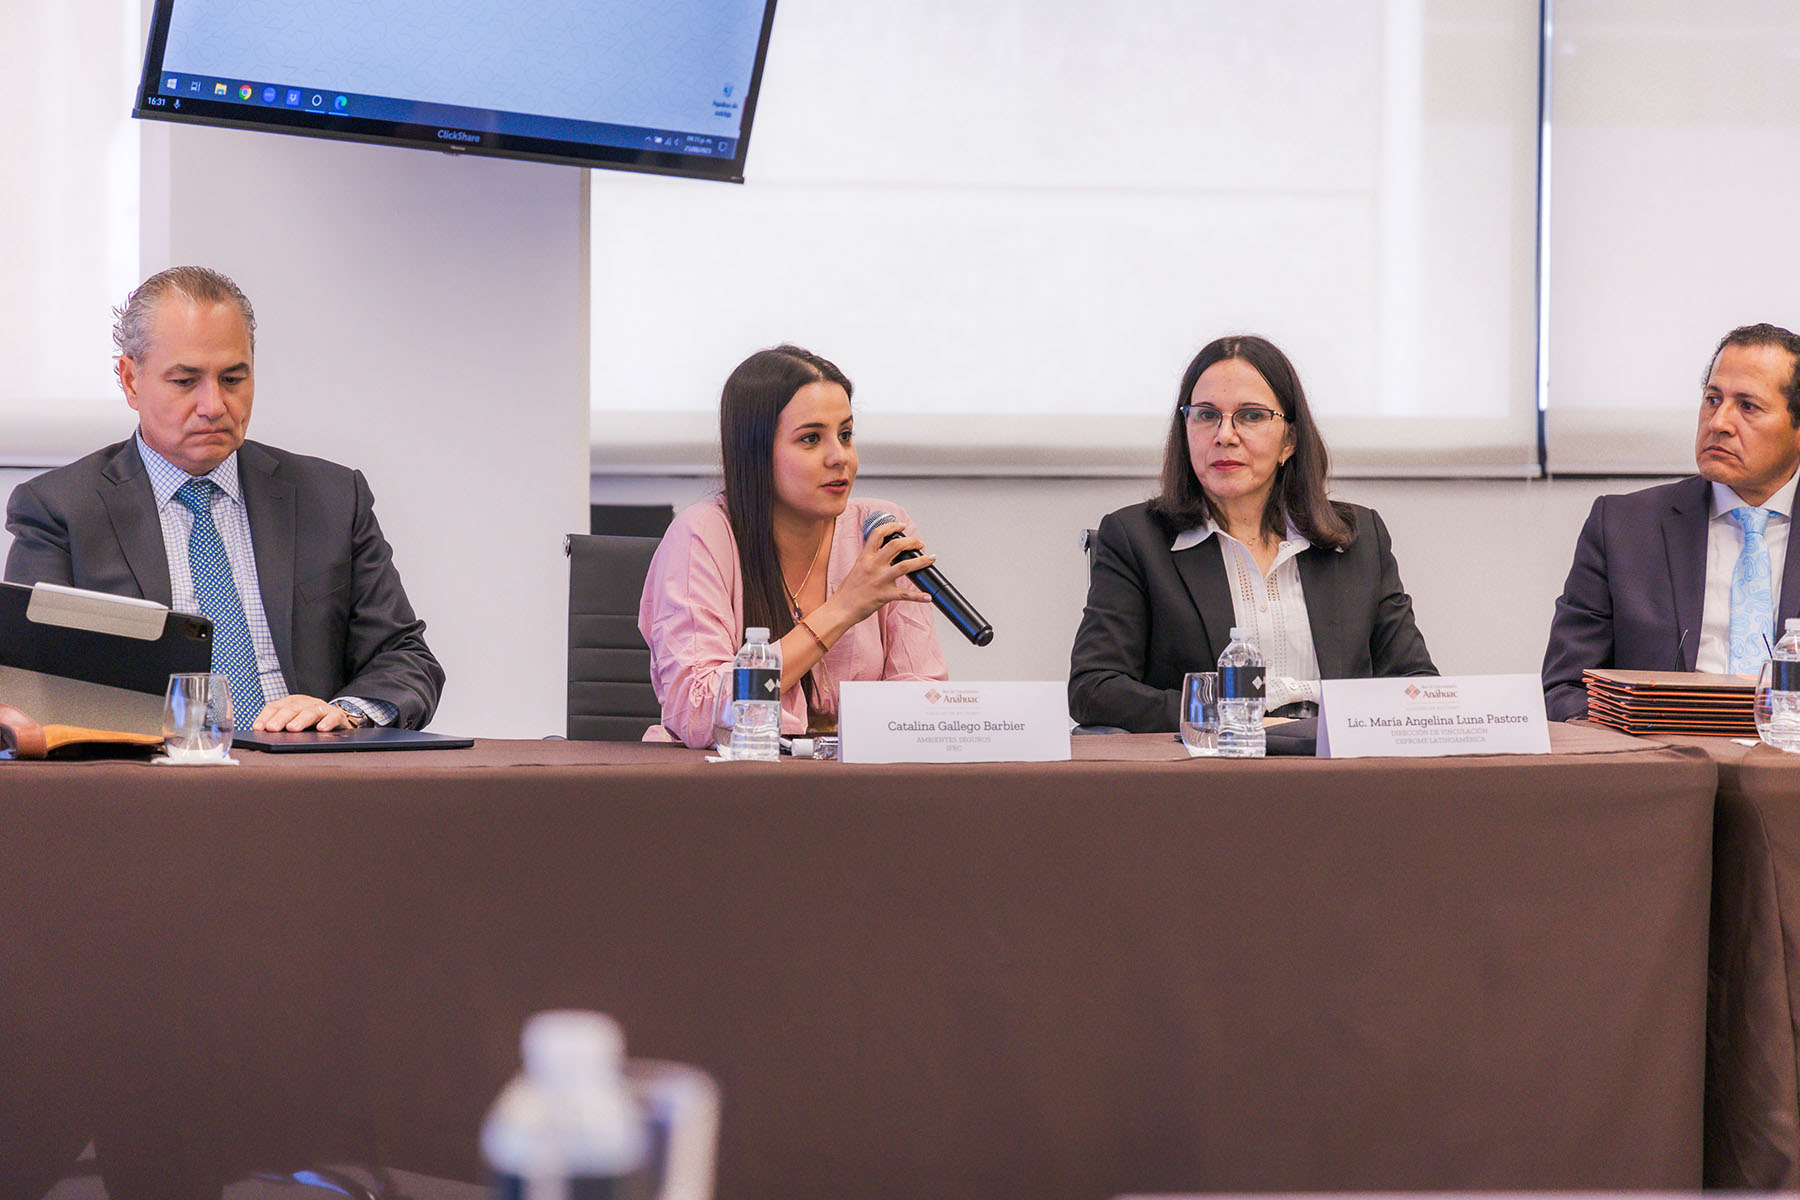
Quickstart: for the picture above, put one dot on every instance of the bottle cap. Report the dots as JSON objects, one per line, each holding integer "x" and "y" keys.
{"x": 1239, "y": 634}
{"x": 570, "y": 1115}
{"x": 570, "y": 1043}
{"x": 756, "y": 633}
{"x": 1793, "y": 625}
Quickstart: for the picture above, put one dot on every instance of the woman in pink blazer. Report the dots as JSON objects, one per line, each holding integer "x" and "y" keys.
{"x": 782, "y": 547}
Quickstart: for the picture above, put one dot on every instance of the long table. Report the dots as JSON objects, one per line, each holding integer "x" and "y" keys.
{"x": 1132, "y": 972}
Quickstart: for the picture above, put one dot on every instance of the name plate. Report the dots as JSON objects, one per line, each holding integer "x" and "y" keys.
{"x": 924, "y": 721}
{"x": 1425, "y": 717}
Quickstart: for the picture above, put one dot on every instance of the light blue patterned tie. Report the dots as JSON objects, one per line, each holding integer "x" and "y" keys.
{"x": 1752, "y": 605}
{"x": 233, "y": 652}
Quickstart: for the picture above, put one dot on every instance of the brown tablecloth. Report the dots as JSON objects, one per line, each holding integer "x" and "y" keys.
{"x": 1752, "y": 1098}
{"x": 1134, "y": 972}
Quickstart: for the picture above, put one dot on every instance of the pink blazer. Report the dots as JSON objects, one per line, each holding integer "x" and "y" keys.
{"x": 692, "y": 617}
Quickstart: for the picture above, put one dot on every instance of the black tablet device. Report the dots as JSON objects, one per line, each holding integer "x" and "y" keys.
{"x": 369, "y": 737}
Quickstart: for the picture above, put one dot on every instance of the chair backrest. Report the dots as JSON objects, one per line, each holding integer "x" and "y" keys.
{"x": 610, "y": 697}
{"x": 630, "y": 520}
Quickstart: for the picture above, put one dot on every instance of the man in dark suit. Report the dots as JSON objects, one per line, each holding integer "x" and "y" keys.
{"x": 283, "y": 552}
{"x": 1699, "y": 574}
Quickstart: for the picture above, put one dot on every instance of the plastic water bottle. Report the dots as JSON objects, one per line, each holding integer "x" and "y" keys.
{"x": 756, "y": 699}
{"x": 1241, "y": 698}
{"x": 567, "y": 1128}
{"x": 1783, "y": 730}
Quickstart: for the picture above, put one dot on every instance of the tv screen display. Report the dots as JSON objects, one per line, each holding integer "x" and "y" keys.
{"x": 667, "y": 86}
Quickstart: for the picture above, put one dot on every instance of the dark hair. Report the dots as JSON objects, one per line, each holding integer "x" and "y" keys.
{"x": 1766, "y": 335}
{"x": 1299, "y": 494}
{"x": 749, "y": 411}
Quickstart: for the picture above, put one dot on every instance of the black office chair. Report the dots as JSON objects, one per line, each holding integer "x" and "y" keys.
{"x": 610, "y": 697}
{"x": 630, "y": 520}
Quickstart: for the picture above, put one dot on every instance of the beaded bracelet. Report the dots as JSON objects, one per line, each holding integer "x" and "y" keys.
{"x": 801, "y": 622}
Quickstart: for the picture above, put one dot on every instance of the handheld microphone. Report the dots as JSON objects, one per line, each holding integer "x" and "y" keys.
{"x": 931, "y": 581}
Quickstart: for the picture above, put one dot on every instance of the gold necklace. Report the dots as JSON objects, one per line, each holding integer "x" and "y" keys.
{"x": 793, "y": 594}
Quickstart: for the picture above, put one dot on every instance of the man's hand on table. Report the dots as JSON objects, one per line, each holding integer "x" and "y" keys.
{"x": 295, "y": 713}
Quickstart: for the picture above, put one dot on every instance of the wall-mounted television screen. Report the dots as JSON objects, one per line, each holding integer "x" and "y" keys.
{"x": 667, "y": 86}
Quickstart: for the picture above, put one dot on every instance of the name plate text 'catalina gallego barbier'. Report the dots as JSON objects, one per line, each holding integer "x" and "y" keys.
{"x": 932, "y": 721}
{"x": 1429, "y": 716}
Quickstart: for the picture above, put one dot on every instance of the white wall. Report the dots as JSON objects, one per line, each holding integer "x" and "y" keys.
{"x": 422, "y": 318}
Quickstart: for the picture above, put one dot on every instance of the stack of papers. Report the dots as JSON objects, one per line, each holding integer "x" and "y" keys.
{"x": 1672, "y": 702}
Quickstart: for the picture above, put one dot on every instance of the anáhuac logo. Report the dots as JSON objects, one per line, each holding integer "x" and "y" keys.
{"x": 933, "y": 696}
{"x": 1430, "y": 692}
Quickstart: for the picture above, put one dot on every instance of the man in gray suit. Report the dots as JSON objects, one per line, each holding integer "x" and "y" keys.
{"x": 281, "y": 551}
{"x": 1699, "y": 574}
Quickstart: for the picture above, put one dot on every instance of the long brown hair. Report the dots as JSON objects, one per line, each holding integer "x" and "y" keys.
{"x": 1299, "y": 494}
{"x": 749, "y": 412}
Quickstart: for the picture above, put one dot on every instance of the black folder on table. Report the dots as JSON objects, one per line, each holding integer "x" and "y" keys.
{"x": 369, "y": 737}
{"x": 84, "y": 659}
{"x": 1299, "y": 737}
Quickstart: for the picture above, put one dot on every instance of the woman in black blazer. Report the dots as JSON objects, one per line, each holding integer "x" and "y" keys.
{"x": 1242, "y": 533}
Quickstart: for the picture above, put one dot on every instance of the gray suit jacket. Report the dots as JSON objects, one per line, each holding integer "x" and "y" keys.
{"x": 1153, "y": 615}
{"x": 337, "y": 612}
{"x": 1636, "y": 588}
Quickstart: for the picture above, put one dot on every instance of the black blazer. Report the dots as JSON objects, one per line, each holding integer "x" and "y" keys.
{"x": 1154, "y": 615}
{"x": 340, "y": 620}
{"x": 1636, "y": 588}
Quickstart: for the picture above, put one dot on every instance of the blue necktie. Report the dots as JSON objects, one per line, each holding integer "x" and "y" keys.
{"x": 1752, "y": 603}
{"x": 233, "y": 653}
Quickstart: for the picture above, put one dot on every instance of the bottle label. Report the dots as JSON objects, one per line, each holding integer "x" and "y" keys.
{"x": 1241, "y": 683}
{"x": 757, "y": 683}
{"x": 1784, "y": 676}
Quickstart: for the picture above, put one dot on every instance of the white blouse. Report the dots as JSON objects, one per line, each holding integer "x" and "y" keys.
{"x": 1273, "y": 606}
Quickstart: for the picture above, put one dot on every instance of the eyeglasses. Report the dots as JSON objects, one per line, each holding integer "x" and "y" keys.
{"x": 1251, "y": 418}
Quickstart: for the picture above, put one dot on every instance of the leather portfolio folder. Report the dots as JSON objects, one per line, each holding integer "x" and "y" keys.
{"x": 1672, "y": 702}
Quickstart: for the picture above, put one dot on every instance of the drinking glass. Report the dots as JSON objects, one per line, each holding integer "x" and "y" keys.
{"x": 197, "y": 718}
{"x": 724, "y": 714}
{"x": 1200, "y": 713}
